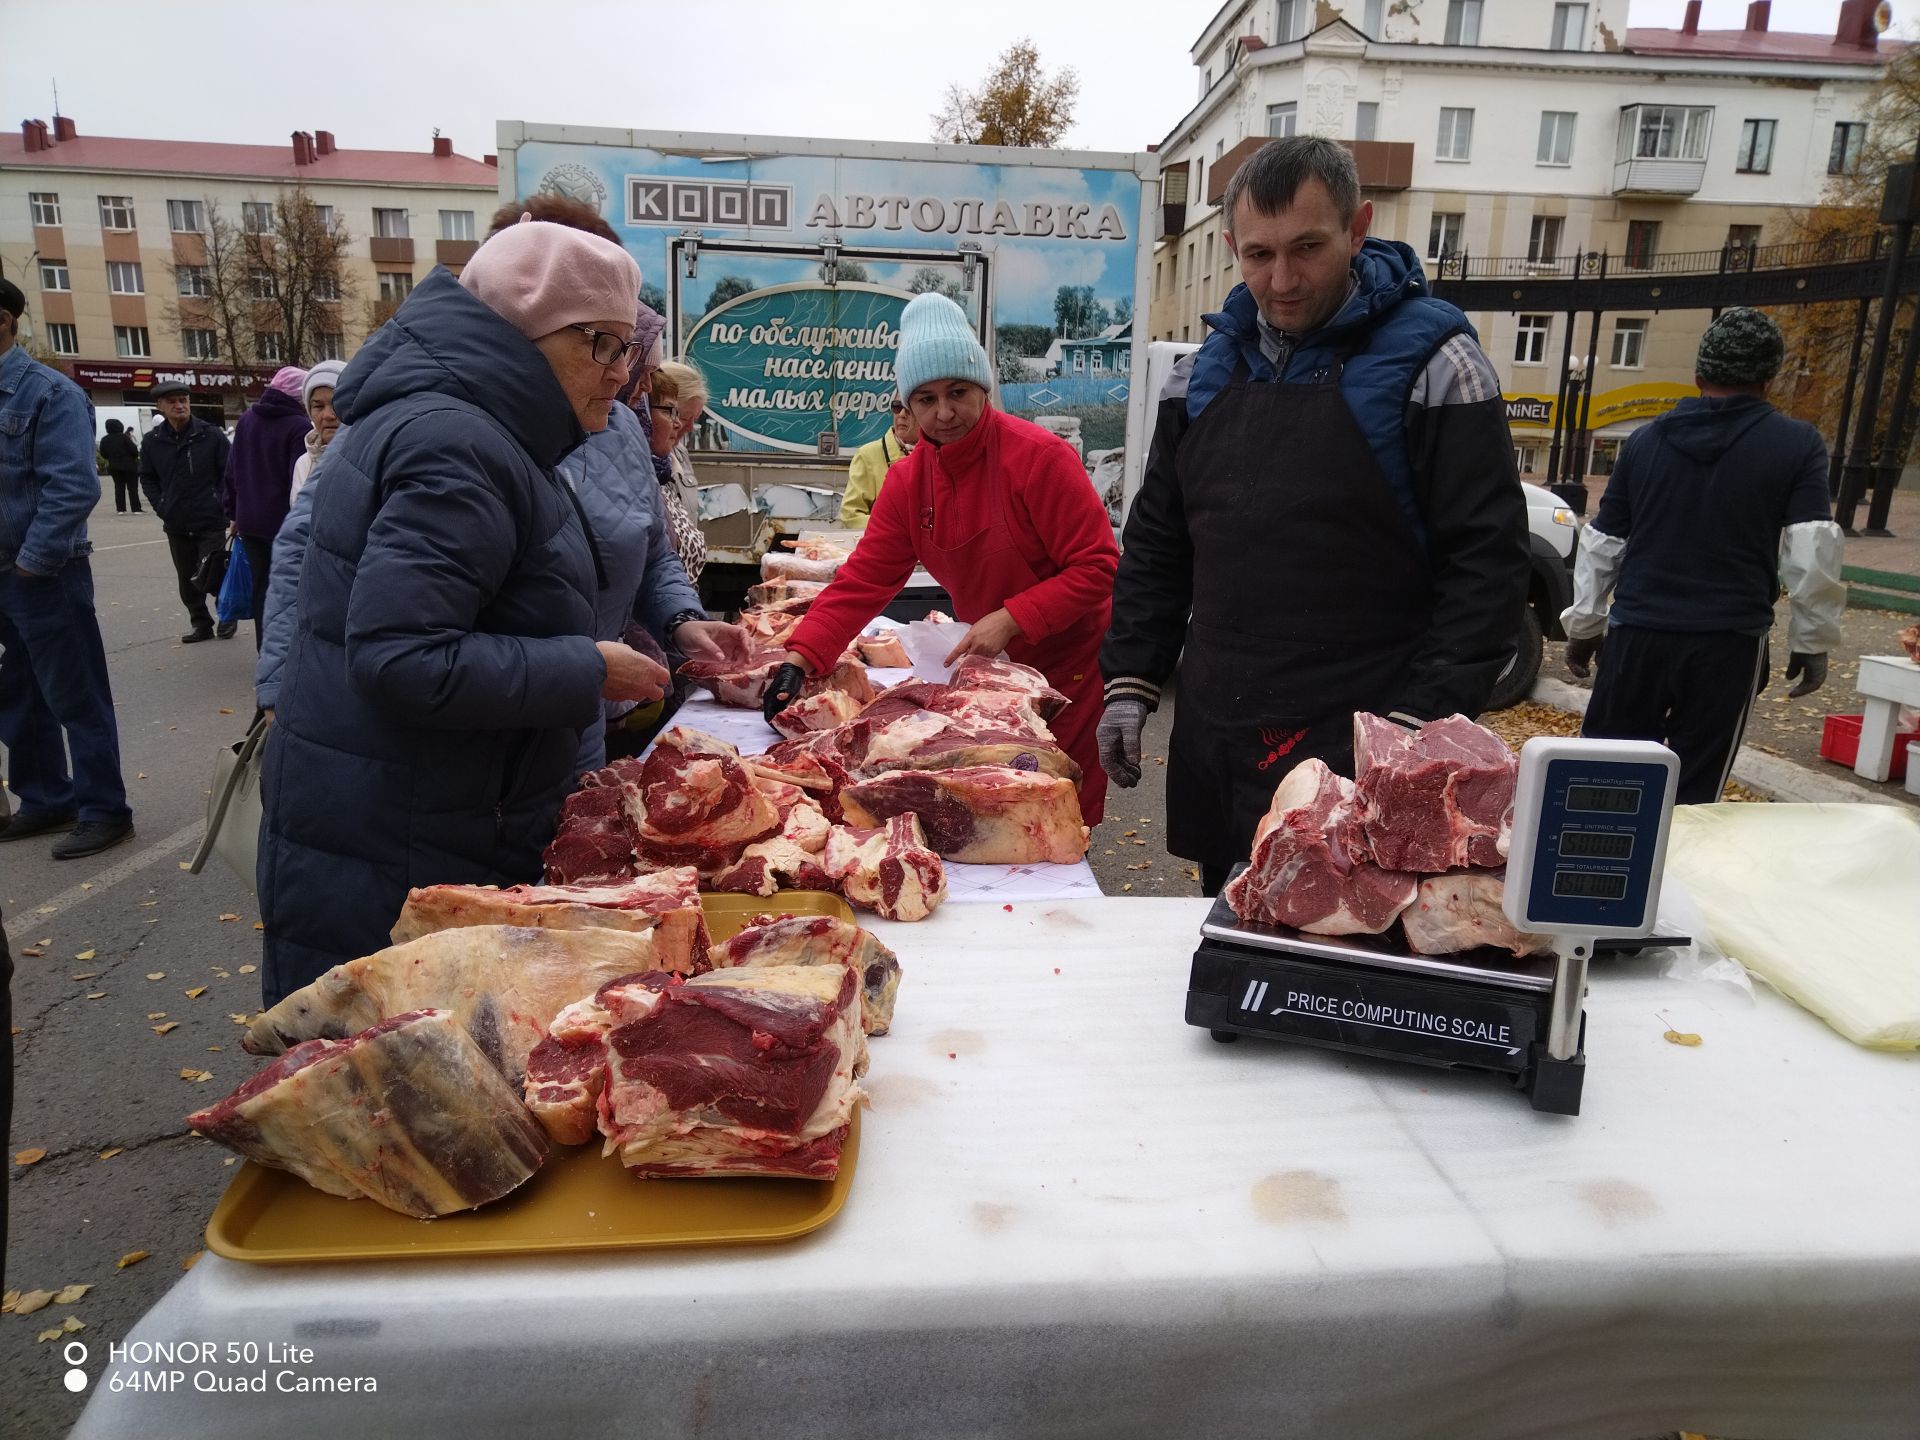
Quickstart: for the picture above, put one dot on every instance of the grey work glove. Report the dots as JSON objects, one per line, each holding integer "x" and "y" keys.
{"x": 1118, "y": 736}
{"x": 1812, "y": 670}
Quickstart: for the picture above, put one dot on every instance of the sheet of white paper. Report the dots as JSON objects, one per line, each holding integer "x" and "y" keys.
{"x": 929, "y": 642}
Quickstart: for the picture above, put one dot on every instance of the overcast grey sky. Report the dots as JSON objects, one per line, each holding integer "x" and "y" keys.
{"x": 382, "y": 74}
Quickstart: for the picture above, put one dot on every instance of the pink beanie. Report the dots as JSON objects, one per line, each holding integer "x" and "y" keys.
{"x": 287, "y": 380}
{"x": 539, "y": 276}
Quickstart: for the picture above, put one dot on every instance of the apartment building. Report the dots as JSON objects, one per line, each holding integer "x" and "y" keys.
{"x": 108, "y": 237}
{"x": 1532, "y": 131}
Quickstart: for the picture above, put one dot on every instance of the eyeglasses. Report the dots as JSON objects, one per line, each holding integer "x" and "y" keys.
{"x": 608, "y": 348}
{"x": 672, "y": 412}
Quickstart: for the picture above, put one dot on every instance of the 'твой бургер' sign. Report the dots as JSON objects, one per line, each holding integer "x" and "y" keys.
{"x": 788, "y": 364}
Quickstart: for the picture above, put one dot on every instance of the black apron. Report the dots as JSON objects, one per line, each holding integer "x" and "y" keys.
{"x": 1311, "y": 594}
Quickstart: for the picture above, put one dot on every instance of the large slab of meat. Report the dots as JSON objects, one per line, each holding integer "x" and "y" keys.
{"x": 889, "y": 870}
{"x": 1306, "y": 871}
{"x": 825, "y": 711}
{"x": 409, "y": 1112}
{"x": 749, "y": 1071}
{"x": 665, "y": 903}
{"x": 1433, "y": 799}
{"x": 785, "y": 594}
{"x": 978, "y": 815}
{"x": 1462, "y": 911}
{"x": 793, "y": 859}
{"x": 741, "y": 682}
{"x": 979, "y": 672}
{"x": 695, "y": 793}
{"x": 592, "y": 844}
{"x": 820, "y": 940}
{"x": 503, "y": 983}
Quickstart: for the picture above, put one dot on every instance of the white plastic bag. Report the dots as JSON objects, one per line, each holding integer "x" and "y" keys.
{"x": 1701, "y": 959}
{"x": 929, "y": 642}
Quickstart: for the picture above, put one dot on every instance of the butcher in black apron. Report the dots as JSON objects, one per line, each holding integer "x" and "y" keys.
{"x": 1330, "y": 521}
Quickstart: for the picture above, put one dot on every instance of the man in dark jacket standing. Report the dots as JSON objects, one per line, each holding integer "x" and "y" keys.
{"x": 1330, "y": 520}
{"x": 183, "y": 467}
{"x": 123, "y": 464}
{"x": 1708, "y": 509}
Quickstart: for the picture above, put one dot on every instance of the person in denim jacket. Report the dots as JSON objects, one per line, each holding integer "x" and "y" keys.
{"x": 54, "y": 691}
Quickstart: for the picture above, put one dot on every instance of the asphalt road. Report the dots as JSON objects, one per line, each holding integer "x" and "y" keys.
{"x": 91, "y": 1074}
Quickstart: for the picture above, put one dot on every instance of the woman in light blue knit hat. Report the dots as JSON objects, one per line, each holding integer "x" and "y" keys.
{"x": 1002, "y": 514}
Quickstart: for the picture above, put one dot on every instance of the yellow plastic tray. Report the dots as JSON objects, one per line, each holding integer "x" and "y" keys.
{"x": 578, "y": 1201}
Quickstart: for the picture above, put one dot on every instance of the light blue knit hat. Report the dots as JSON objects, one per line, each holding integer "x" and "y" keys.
{"x": 936, "y": 343}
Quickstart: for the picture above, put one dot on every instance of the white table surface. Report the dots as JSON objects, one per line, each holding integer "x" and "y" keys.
{"x": 1076, "y": 1216}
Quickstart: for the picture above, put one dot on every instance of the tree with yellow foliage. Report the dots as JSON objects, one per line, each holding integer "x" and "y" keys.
{"x": 1017, "y": 104}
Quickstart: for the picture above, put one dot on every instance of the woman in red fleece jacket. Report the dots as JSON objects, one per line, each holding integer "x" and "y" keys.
{"x": 1002, "y": 514}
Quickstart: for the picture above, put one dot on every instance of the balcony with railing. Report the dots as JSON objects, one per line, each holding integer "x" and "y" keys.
{"x": 1661, "y": 150}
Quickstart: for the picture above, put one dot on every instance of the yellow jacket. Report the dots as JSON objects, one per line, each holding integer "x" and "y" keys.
{"x": 864, "y": 476}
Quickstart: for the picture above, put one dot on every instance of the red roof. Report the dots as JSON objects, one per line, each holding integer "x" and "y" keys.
{"x": 1759, "y": 45}
{"x": 252, "y": 162}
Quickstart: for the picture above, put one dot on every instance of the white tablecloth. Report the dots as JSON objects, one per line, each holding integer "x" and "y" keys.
{"x": 1075, "y": 1215}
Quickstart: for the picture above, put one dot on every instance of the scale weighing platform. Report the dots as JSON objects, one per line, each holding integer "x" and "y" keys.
{"x": 1589, "y": 843}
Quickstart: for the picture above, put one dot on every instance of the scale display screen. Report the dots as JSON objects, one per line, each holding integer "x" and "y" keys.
{"x": 1595, "y": 845}
{"x": 1604, "y": 799}
{"x": 1590, "y": 884}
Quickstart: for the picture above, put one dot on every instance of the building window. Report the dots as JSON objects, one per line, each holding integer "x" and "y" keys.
{"x": 270, "y": 346}
{"x": 330, "y": 345}
{"x": 1079, "y": 361}
{"x": 1366, "y": 123}
{"x": 116, "y": 212}
{"x": 323, "y": 217}
{"x": 1556, "y": 137}
{"x": 1463, "y": 22}
{"x": 456, "y": 225}
{"x": 1375, "y": 19}
{"x": 256, "y": 217}
{"x": 1569, "y": 27}
{"x": 390, "y": 224}
{"x": 200, "y": 344}
{"x": 1159, "y": 277}
{"x": 1629, "y": 344}
{"x": 326, "y": 287}
{"x": 1200, "y": 175}
{"x": 193, "y": 280}
{"x": 130, "y": 342}
{"x": 1664, "y": 132}
{"x": 1849, "y": 139}
{"x": 1456, "y": 134}
{"x": 1526, "y": 459}
{"x": 1099, "y": 362}
{"x": 1530, "y": 341}
{"x": 64, "y": 339}
{"x": 1743, "y": 238}
{"x": 124, "y": 277}
{"x": 263, "y": 283}
{"x": 1543, "y": 243}
{"x": 1283, "y": 120}
{"x": 1206, "y": 81}
{"x": 1443, "y": 235}
{"x": 1292, "y": 21}
{"x": 53, "y": 275}
{"x": 1756, "y": 147}
{"x": 395, "y": 285}
{"x": 1643, "y": 239}
{"x": 46, "y": 208}
{"x": 1209, "y": 264}
{"x": 187, "y": 217}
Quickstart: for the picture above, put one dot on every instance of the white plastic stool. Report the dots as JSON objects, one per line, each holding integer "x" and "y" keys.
{"x": 1886, "y": 683}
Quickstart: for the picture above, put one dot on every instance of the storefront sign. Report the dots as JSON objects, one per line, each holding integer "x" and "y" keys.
{"x": 788, "y": 365}
{"x": 1530, "y": 410}
{"x": 1609, "y": 407}
{"x": 130, "y": 375}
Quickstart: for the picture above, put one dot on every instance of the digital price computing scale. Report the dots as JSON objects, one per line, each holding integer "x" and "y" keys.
{"x": 1589, "y": 844}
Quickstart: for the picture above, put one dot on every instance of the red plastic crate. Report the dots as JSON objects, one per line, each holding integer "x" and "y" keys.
{"x": 1840, "y": 743}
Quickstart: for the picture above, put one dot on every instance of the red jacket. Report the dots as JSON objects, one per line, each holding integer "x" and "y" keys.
{"x": 1005, "y": 516}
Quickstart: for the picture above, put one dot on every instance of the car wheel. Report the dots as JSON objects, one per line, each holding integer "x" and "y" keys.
{"x": 1516, "y": 681}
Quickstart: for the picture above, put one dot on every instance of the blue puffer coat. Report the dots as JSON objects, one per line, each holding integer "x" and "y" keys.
{"x": 440, "y": 671}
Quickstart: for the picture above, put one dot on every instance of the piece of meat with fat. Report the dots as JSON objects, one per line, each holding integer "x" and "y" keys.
{"x": 1433, "y": 799}
{"x": 743, "y": 1071}
{"x": 883, "y": 650}
{"x": 1304, "y": 871}
{"x": 408, "y": 1112}
{"x": 981, "y": 672}
{"x": 821, "y": 940}
{"x": 567, "y": 1071}
{"x": 666, "y": 903}
{"x": 741, "y": 683}
{"x": 785, "y": 593}
{"x": 979, "y": 814}
{"x": 591, "y": 843}
{"x": 790, "y": 860}
{"x": 694, "y": 790}
{"x": 825, "y": 711}
{"x": 769, "y": 628}
{"x": 1461, "y": 910}
{"x": 889, "y": 870}
{"x": 504, "y": 983}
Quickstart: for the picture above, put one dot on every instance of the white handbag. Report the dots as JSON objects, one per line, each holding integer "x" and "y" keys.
{"x": 233, "y": 805}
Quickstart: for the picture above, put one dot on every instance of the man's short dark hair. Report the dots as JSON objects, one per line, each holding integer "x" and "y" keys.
{"x": 13, "y": 299}
{"x": 1271, "y": 179}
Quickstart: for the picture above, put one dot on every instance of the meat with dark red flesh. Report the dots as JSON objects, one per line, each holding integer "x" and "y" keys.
{"x": 979, "y": 815}
{"x": 1433, "y": 799}
{"x": 695, "y": 791}
{"x": 592, "y": 844}
{"x": 888, "y": 870}
{"x": 817, "y": 1159}
{"x": 979, "y": 672}
{"x": 820, "y": 940}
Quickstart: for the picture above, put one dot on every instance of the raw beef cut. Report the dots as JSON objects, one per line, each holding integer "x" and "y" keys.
{"x": 738, "y": 1072}
{"x": 504, "y": 983}
{"x": 978, "y": 815}
{"x": 821, "y": 940}
{"x": 978, "y": 672}
{"x": 694, "y": 792}
{"x": 825, "y": 711}
{"x": 1460, "y": 911}
{"x": 784, "y": 593}
{"x": 883, "y": 651}
{"x": 567, "y": 1071}
{"x": 769, "y": 628}
{"x": 790, "y": 860}
{"x": 889, "y": 870}
{"x": 742, "y": 682}
{"x": 667, "y": 903}
{"x": 408, "y": 1112}
{"x": 1433, "y": 799}
{"x": 1305, "y": 871}
{"x": 592, "y": 844}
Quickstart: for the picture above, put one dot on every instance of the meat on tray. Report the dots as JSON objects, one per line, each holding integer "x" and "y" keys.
{"x": 1461, "y": 910}
{"x": 979, "y": 814}
{"x": 1306, "y": 870}
{"x": 821, "y": 940}
{"x": 889, "y": 870}
{"x": 409, "y": 1112}
{"x": 665, "y": 903}
{"x": 1436, "y": 798}
{"x": 503, "y": 983}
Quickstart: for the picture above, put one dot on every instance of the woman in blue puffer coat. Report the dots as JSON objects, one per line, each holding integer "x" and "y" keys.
{"x": 441, "y": 672}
